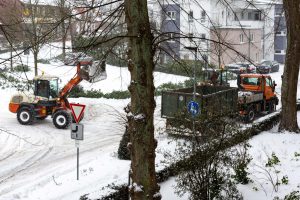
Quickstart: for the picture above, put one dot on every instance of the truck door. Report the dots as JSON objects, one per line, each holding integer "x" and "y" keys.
{"x": 269, "y": 88}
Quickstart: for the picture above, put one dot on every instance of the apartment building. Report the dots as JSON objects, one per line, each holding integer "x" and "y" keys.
{"x": 280, "y": 40}
{"x": 247, "y": 25}
{"x": 10, "y": 22}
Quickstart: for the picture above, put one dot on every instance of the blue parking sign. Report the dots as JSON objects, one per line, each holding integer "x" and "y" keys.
{"x": 193, "y": 108}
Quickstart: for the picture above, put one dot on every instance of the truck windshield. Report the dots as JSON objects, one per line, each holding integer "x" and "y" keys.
{"x": 54, "y": 88}
{"x": 251, "y": 81}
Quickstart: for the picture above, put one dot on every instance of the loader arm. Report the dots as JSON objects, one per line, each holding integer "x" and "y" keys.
{"x": 80, "y": 75}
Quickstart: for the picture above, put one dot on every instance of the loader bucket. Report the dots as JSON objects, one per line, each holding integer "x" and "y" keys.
{"x": 97, "y": 71}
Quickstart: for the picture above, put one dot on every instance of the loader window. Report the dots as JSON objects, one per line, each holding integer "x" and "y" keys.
{"x": 42, "y": 88}
{"x": 54, "y": 88}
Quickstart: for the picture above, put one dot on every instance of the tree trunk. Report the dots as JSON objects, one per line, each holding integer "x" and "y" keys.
{"x": 291, "y": 70}
{"x": 140, "y": 117}
{"x": 35, "y": 56}
{"x": 63, "y": 28}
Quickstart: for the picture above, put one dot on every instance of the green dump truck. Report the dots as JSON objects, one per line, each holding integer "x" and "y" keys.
{"x": 212, "y": 100}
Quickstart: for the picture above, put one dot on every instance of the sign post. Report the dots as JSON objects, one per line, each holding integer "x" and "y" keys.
{"x": 76, "y": 128}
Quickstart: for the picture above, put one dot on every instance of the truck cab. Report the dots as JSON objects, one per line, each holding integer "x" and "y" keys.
{"x": 256, "y": 95}
{"x": 259, "y": 82}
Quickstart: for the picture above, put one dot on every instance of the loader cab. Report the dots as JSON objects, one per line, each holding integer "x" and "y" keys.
{"x": 46, "y": 86}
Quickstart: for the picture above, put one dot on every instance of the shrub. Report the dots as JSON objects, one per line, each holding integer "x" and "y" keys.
{"x": 272, "y": 161}
{"x": 117, "y": 95}
{"x": 21, "y": 68}
{"x": 43, "y": 61}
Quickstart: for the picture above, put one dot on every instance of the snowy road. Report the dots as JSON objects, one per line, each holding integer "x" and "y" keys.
{"x": 35, "y": 156}
{"x": 39, "y": 159}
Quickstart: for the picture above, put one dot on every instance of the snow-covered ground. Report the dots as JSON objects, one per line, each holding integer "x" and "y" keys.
{"x": 39, "y": 161}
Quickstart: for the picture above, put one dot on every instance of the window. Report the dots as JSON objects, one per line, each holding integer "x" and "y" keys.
{"x": 236, "y": 17}
{"x": 242, "y": 15}
{"x": 171, "y": 15}
{"x": 241, "y": 38}
{"x": 203, "y": 37}
{"x": 191, "y": 16}
{"x": 252, "y": 37}
{"x": 191, "y": 35}
{"x": 249, "y": 15}
{"x": 251, "y": 81}
{"x": 281, "y": 33}
{"x": 269, "y": 82}
{"x": 277, "y": 51}
{"x": 257, "y": 15}
{"x": 203, "y": 15}
{"x": 171, "y": 37}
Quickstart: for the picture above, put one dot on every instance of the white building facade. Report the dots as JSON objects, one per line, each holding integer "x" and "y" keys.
{"x": 194, "y": 22}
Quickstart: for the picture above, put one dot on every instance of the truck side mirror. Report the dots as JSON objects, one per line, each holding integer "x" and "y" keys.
{"x": 274, "y": 84}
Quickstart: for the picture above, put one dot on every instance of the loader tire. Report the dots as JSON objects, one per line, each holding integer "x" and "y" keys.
{"x": 25, "y": 116}
{"x": 62, "y": 119}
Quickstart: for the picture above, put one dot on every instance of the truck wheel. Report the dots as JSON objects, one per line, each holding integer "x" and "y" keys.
{"x": 25, "y": 116}
{"x": 272, "y": 107}
{"x": 61, "y": 119}
{"x": 250, "y": 115}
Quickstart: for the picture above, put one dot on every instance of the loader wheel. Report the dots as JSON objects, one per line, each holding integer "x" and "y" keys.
{"x": 61, "y": 119}
{"x": 251, "y": 115}
{"x": 25, "y": 116}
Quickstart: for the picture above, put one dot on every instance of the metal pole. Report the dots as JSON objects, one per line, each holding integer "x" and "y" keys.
{"x": 77, "y": 163}
{"x": 194, "y": 93}
{"x": 249, "y": 46}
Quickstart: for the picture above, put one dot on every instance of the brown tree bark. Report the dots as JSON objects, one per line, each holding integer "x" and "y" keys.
{"x": 291, "y": 70}
{"x": 140, "y": 117}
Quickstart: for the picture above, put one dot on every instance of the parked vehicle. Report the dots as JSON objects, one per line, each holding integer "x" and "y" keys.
{"x": 268, "y": 66}
{"x": 241, "y": 67}
{"x": 254, "y": 95}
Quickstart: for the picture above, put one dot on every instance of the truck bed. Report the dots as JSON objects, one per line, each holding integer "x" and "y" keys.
{"x": 211, "y": 99}
{"x": 245, "y": 97}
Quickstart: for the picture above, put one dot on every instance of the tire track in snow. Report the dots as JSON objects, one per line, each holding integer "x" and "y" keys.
{"x": 25, "y": 165}
{"x": 38, "y": 156}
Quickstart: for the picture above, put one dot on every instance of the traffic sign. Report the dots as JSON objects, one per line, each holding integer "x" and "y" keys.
{"x": 77, "y": 131}
{"x": 193, "y": 108}
{"x": 77, "y": 111}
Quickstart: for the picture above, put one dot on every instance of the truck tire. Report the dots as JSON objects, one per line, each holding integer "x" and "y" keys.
{"x": 272, "y": 107}
{"x": 250, "y": 115}
{"x": 61, "y": 119}
{"x": 25, "y": 116}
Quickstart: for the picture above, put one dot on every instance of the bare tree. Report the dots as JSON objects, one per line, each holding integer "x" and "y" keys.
{"x": 38, "y": 27}
{"x": 291, "y": 70}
